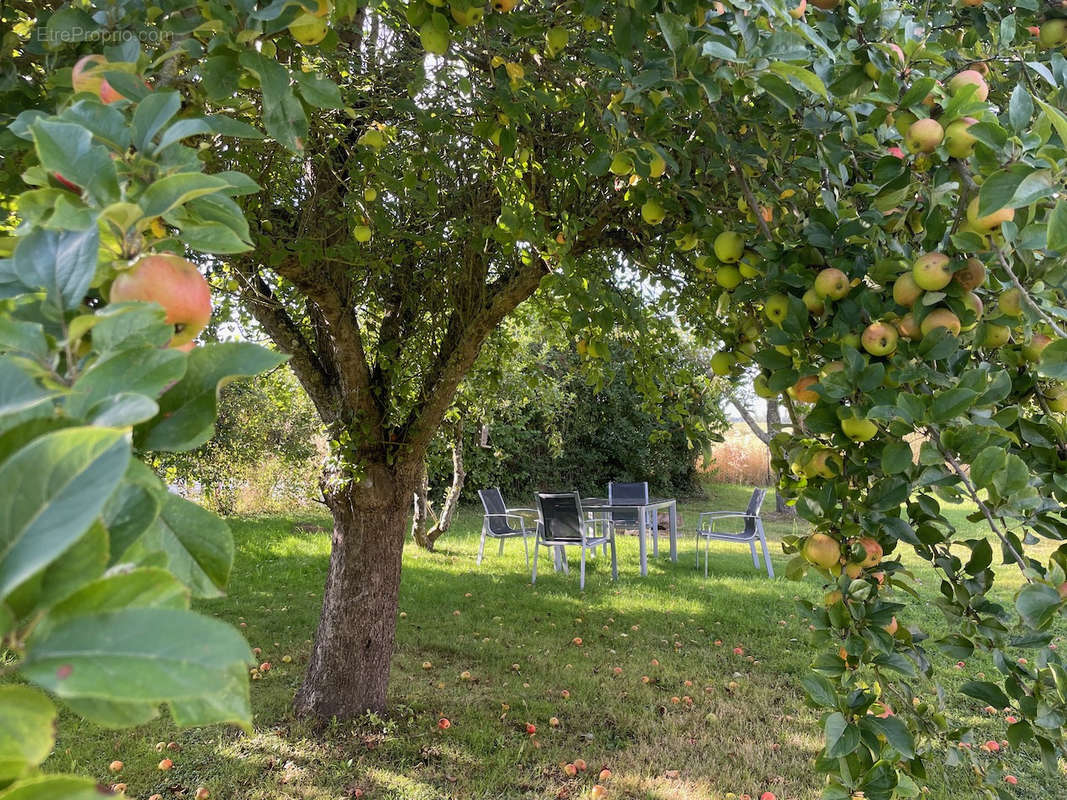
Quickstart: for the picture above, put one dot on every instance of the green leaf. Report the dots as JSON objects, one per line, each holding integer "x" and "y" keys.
{"x": 27, "y": 724}
{"x": 841, "y": 737}
{"x": 1037, "y": 604}
{"x": 18, "y": 390}
{"x": 896, "y": 733}
{"x": 196, "y": 546}
{"x": 896, "y": 458}
{"x": 951, "y": 403}
{"x": 989, "y": 693}
{"x": 1014, "y": 187}
{"x": 820, "y": 690}
{"x": 673, "y": 27}
{"x": 137, "y": 655}
{"x": 152, "y": 114}
{"x": 23, "y": 337}
{"x": 172, "y": 191}
{"x": 129, "y": 512}
{"x": 143, "y": 370}
{"x": 144, "y": 587}
{"x": 798, "y": 75}
{"x": 129, "y": 325}
{"x": 67, "y": 149}
{"x": 318, "y": 91}
{"x": 53, "y": 787}
{"x": 981, "y": 557}
{"x": 1020, "y": 108}
{"x": 53, "y": 489}
{"x": 1056, "y": 237}
{"x": 122, "y": 411}
{"x": 986, "y": 465}
{"x": 956, "y": 646}
{"x": 83, "y": 561}
{"x": 283, "y": 116}
{"x": 60, "y": 262}
{"x": 1057, "y": 118}
{"x": 110, "y": 714}
{"x": 213, "y": 237}
{"x": 1053, "y": 363}
{"x": 188, "y": 409}
{"x": 230, "y": 705}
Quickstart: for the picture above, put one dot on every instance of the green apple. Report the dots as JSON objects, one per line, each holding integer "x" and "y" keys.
{"x": 729, "y": 246}
{"x": 958, "y": 140}
{"x": 652, "y": 212}
{"x": 989, "y": 221}
{"x": 465, "y": 14}
{"x": 813, "y": 302}
{"x": 932, "y": 271}
{"x": 308, "y": 29}
{"x": 850, "y": 340}
{"x": 1032, "y": 349}
{"x": 657, "y": 166}
{"x": 906, "y": 291}
{"x": 728, "y": 277}
{"x": 879, "y": 339}
{"x": 1055, "y": 395}
{"x": 994, "y": 336}
{"x": 776, "y": 308}
{"x": 831, "y": 283}
{"x": 859, "y": 429}
{"x": 622, "y": 164}
{"x": 362, "y": 233}
{"x": 924, "y": 136}
{"x": 971, "y": 275}
{"x": 760, "y": 387}
{"x": 434, "y": 34}
{"x": 556, "y": 39}
{"x": 973, "y": 303}
{"x": 1010, "y": 302}
{"x": 749, "y": 264}
{"x": 909, "y": 328}
{"x": 824, "y": 464}
{"x": 903, "y": 120}
{"x": 940, "y": 318}
{"x": 1053, "y": 33}
{"x": 970, "y": 77}
{"x": 722, "y": 362}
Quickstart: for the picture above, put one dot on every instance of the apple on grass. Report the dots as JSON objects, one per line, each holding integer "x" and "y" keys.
{"x": 174, "y": 283}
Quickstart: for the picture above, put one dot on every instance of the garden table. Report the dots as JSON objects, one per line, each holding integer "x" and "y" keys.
{"x": 602, "y": 505}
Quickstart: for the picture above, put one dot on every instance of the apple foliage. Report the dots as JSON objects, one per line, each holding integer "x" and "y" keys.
{"x": 854, "y": 136}
{"x": 98, "y": 561}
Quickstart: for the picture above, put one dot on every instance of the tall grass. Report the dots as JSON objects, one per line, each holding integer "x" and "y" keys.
{"x": 741, "y": 459}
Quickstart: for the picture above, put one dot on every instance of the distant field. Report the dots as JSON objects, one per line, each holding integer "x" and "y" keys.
{"x": 742, "y": 458}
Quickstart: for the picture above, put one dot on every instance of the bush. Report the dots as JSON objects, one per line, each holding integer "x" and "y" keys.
{"x": 581, "y": 438}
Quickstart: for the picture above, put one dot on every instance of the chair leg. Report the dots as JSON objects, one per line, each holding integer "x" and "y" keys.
{"x": 563, "y": 560}
{"x": 707, "y": 549}
{"x": 481, "y": 547}
{"x": 752, "y": 547}
{"x": 696, "y": 549}
{"x": 533, "y": 578}
{"x": 581, "y": 579}
{"x": 614, "y": 561}
{"x": 766, "y": 555}
{"x": 500, "y": 550}
{"x": 526, "y": 547}
{"x": 655, "y": 534}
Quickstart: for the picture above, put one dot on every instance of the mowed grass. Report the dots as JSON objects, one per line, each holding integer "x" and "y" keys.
{"x": 648, "y": 647}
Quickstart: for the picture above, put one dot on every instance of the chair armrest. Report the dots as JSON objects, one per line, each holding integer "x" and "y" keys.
{"x": 522, "y": 520}
{"x": 713, "y": 515}
{"x": 524, "y": 510}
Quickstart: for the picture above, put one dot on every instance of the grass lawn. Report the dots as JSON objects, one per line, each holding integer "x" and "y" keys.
{"x": 620, "y": 697}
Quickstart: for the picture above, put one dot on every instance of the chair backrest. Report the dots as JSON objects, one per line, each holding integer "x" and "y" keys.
{"x": 560, "y": 517}
{"x": 627, "y": 493}
{"x": 754, "y": 505}
{"x": 493, "y": 503}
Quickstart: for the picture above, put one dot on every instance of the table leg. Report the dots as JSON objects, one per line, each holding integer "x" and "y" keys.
{"x": 673, "y": 512}
{"x": 642, "y": 531}
{"x": 655, "y": 530}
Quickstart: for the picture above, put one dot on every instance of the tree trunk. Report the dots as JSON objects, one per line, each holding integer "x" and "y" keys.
{"x": 420, "y": 517}
{"x": 348, "y": 673}
{"x": 448, "y": 509}
{"x": 774, "y": 425}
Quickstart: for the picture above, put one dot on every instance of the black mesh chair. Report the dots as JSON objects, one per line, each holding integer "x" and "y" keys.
{"x": 752, "y": 532}
{"x": 562, "y": 524}
{"x": 636, "y": 493}
{"x": 503, "y": 523}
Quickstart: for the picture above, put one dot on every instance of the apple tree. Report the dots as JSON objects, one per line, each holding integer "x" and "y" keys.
{"x": 98, "y": 561}
{"x": 862, "y": 197}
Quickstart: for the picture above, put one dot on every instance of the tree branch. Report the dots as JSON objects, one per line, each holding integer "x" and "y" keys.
{"x": 1026, "y": 296}
{"x": 750, "y": 420}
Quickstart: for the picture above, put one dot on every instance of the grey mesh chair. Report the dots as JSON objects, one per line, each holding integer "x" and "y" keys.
{"x": 501, "y": 522}
{"x": 562, "y": 524}
{"x": 635, "y": 493}
{"x": 752, "y": 532}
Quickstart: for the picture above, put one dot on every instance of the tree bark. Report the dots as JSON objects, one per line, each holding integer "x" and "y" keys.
{"x": 348, "y": 673}
{"x": 774, "y": 425}
{"x": 420, "y": 516}
{"x": 428, "y": 536}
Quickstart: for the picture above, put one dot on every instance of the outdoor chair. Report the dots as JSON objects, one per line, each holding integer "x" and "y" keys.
{"x": 627, "y": 518}
{"x": 753, "y": 531}
{"x": 562, "y": 524}
{"x": 503, "y": 523}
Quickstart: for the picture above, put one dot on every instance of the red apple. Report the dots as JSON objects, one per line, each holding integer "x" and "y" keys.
{"x": 175, "y": 284}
